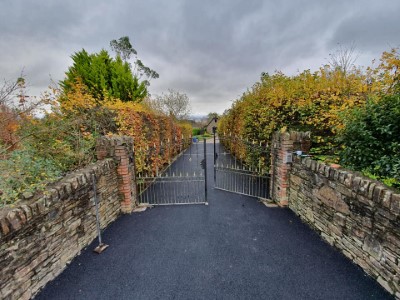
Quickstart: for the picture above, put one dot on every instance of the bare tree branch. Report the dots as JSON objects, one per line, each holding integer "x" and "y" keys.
{"x": 343, "y": 58}
{"x": 175, "y": 104}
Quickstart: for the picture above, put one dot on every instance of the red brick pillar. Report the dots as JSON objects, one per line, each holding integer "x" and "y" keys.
{"x": 283, "y": 146}
{"x": 120, "y": 148}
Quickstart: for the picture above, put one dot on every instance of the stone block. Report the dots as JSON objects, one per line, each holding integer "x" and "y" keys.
{"x": 327, "y": 195}
{"x": 327, "y": 169}
{"x": 385, "y": 284}
{"x": 358, "y": 232}
{"x": 342, "y": 176}
{"x": 331, "y": 199}
{"x": 361, "y": 261}
{"x": 364, "y": 185}
{"x": 295, "y": 180}
{"x": 348, "y": 254}
{"x": 387, "y": 254}
{"x": 314, "y": 165}
{"x": 393, "y": 239}
{"x": 4, "y": 226}
{"x": 373, "y": 246}
{"x": 339, "y": 219}
{"x": 41, "y": 205}
{"x": 349, "y": 180}
{"x": 337, "y": 230}
{"x": 74, "y": 225}
{"x": 365, "y": 201}
{"x": 374, "y": 266}
{"x": 367, "y": 222}
{"x": 386, "y": 198}
{"x": 332, "y": 172}
{"x": 22, "y": 272}
{"x": 328, "y": 238}
{"x": 27, "y": 211}
{"x": 352, "y": 246}
{"x": 386, "y": 214}
{"x": 310, "y": 215}
{"x": 355, "y": 186}
{"x": 371, "y": 189}
{"x": 26, "y": 295}
{"x": 377, "y": 193}
{"x": 342, "y": 189}
{"x": 13, "y": 220}
{"x": 390, "y": 267}
{"x": 395, "y": 204}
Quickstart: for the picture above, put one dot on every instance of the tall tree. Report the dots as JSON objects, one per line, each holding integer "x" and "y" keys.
{"x": 104, "y": 76}
{"x": 124, "y": 49}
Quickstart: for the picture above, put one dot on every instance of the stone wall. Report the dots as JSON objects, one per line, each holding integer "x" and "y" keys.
{"x": 39, "y": 237}
{"x": 358, "y": 216}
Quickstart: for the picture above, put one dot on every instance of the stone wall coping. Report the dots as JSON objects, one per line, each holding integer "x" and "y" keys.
{"x": 117, "y": 140}
{"x": 360, "y": 185}
{"x": 16, "y": 218}
{"x": 291, "y": 136}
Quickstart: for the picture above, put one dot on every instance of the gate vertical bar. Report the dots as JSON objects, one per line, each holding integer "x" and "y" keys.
{"x": 215, "y": 160}
{"x": 101, "y": 247}
{"x": 205, "y": 169}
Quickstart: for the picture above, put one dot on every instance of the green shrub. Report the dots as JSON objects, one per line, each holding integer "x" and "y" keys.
{"x": 371, "y": 139}
{"x": 48, "y": 148}
{"x": 24, "y": 172}
{"x": 67, "y": 141}
{"x": 196, "y": 131}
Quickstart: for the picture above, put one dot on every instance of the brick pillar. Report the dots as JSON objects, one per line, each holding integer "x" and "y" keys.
{"x": 120, "y": 148}
{"x": 283, "y": 146}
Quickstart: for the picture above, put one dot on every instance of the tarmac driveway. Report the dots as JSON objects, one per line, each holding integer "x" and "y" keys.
{"x": 234, "y": 248}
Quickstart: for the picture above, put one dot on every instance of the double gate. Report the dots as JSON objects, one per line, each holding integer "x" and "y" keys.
{"x": 241, "y": 166}
{"x": 182, "y": 180}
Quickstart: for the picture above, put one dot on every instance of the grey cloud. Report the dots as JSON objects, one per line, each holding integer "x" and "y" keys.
{"x": 44, "y": 20}
{"x": 372, "y": 28}
{"x": 211, "y": 50}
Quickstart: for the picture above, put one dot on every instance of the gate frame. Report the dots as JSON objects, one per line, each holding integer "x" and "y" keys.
{"x": 267, "y": 176}
{"x": 152, "y": 180}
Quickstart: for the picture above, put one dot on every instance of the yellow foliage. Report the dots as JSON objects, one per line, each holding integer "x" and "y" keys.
{"x": 308, "y": 101}
{"x": 77, "y": 100}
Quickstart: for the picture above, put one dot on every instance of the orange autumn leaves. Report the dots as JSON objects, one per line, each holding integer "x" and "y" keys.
{"x": 150, "y": 130}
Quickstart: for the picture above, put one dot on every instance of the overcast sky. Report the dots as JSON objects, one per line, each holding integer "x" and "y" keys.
{"x": 212, "y": 50}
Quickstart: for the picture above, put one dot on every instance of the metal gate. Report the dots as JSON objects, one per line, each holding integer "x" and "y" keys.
{"x": 241, "y": 166}
{"x": 182, "y": 180}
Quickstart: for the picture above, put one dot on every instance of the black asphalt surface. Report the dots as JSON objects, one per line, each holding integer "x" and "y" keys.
{"x": 234, "y": 248}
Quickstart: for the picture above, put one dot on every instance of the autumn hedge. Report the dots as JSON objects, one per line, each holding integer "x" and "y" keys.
{"x": 309, "y": 101}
